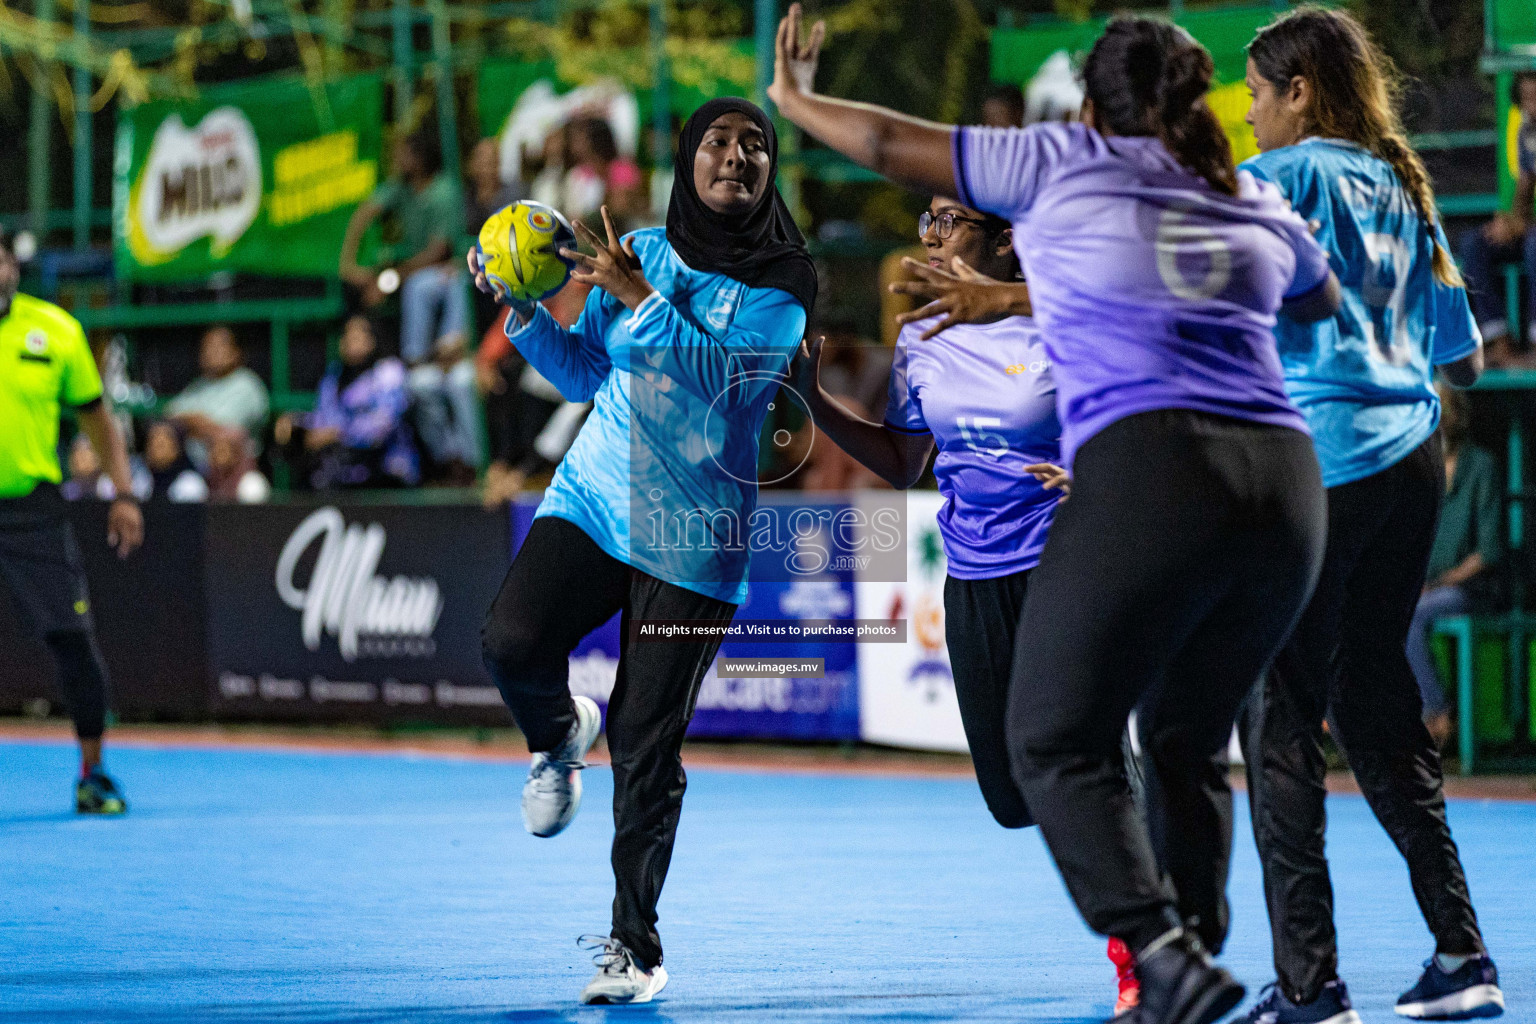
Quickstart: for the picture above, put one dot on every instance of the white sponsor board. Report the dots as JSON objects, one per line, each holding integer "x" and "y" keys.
{"x": 906, "y": 691}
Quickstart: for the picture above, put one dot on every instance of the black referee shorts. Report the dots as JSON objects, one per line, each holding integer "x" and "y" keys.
{"x": 40, "y": 563}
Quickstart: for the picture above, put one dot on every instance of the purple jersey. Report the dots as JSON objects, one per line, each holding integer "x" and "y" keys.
{"x": 984, "y": 391}
{"x": 1152, "y": 290}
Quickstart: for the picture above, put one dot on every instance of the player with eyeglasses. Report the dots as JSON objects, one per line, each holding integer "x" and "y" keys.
{"x": 981, "y": 393}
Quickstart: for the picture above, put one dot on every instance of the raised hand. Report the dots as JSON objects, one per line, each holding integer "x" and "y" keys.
{"x": 962, "y": 297}
{"x": 795, "y": 55}
{"x": 805, "y": 370}
{"x": 613, "y": 266}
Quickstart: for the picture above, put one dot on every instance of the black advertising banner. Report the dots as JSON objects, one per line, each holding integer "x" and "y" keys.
{"x": 352, "y": 613}
{"x": 148, "y": 609}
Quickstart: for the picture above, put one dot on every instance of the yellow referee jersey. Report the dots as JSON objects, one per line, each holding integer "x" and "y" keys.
{"x": 44, "y": 361}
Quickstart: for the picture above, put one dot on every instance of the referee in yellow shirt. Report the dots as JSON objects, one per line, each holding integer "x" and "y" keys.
{"x": 45, "y": 361}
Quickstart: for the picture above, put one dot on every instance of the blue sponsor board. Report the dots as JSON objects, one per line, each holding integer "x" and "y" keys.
{"x": 757, "y": 708}
{"x": 788, "y": 708}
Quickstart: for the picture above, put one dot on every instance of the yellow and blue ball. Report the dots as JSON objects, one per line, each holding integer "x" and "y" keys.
{"x": 519, "y": 249}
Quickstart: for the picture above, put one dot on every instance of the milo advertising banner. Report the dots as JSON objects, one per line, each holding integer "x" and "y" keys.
{"x": 260, "y": 176}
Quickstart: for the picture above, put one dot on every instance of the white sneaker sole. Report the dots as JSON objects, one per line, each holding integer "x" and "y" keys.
{"x": 1477, "y": 1001}
{"x": 589, "y": 721}
{"x": 1347, "y": 1017}
{"x": 657, "y": 983}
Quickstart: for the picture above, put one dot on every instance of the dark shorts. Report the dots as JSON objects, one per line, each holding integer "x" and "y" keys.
{"x": 40, "y": 563}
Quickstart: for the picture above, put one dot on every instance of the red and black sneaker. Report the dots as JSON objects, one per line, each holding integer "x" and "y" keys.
{"x": 1129, "y": 993}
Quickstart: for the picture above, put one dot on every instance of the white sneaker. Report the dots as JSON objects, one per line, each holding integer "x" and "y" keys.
{"x": 619, "y": 979}
{"x": 552, "y": 794}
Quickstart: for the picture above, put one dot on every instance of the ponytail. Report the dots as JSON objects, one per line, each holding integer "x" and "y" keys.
{"x": 1354, "y": 88}
{"x": 1147, "y": 77}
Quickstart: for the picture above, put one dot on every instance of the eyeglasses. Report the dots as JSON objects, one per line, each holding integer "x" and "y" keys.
{"x": 945, "y": 221}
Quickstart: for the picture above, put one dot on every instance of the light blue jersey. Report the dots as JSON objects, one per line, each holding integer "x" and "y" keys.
{"x": 1364, "y": 378}
{"x": 663, "y": 475}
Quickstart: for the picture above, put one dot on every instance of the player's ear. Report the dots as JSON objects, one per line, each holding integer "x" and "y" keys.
{"x": 1298, "y": 95}
{"x": 1004, "y": 242}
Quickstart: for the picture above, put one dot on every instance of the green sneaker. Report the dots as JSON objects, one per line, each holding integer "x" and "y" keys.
{"x": 98, "y": 794}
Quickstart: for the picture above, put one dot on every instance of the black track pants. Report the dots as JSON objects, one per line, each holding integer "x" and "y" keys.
{"x": 561, "y": 586}
{"x": 1347, "y": 659}
{"x": 1171, "y": 577}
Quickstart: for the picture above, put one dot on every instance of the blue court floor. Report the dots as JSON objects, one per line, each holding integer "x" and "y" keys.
{"x": 250, "y": 886}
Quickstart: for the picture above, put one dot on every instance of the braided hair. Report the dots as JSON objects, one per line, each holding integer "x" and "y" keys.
{"x": 1354, "y": 87}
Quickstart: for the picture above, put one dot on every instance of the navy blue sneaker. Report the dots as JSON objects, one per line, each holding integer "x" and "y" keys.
{"x": 1330, "y": 1007}
{"x": 1472, "y": 990}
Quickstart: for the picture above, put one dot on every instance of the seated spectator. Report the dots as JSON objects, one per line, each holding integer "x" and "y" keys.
{"x": 1508, "y": 238}
{"x": 484, "y": 191}
{"x": 434, "y": 303}
{"x": 357, "y": 436}
{"x": 424, "y": 205}
{"x": 529, "y": 425}
{"x": 86, "y": 480}
{"x": 1468, "y": 544}
{"x": 598, "y": 175}
{"x": 447, "y": 414}
{"x": 232, "y": 472}
{"x": 484, "y": 194}
{"x": 227, "y": 394}
{"x": 171, "y": 476}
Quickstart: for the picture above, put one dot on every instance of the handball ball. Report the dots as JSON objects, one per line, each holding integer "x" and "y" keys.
{"x": 519, "y": 248}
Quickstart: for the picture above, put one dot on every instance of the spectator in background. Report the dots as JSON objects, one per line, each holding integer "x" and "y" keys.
{"x": 1508, "y": 238}
{"x": 86, "y": 479}
{"x": 424, "y": 205}
{"x": 529, "y": 424}
{"x": 1468, "y": 543}
{"x": 447, "y": 414}
{"x": 434, "y": 301}
{"x": 547, "y": 185}
{"x": 1003, "y": 107}
{"x": 171, "y": 476}
{"x": 484, "y": 191}
{"x": 598, "y": 176}
{"x": 232, "y": 472}
{"x": 227, "y": 394}
{"x": 357, "y": 436}
{"x": 484, "y": 194}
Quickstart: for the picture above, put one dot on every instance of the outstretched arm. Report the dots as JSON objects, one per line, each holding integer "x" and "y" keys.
{"x": 908, "y": 150}
{"x": 962, "y": 297}
{"x": 898, "y": 458}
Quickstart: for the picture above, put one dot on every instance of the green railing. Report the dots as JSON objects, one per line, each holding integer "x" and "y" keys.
{"x": 280, "y": 314}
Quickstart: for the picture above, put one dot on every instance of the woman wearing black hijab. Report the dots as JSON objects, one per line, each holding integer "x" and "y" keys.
{"x": 682, "y": 345}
